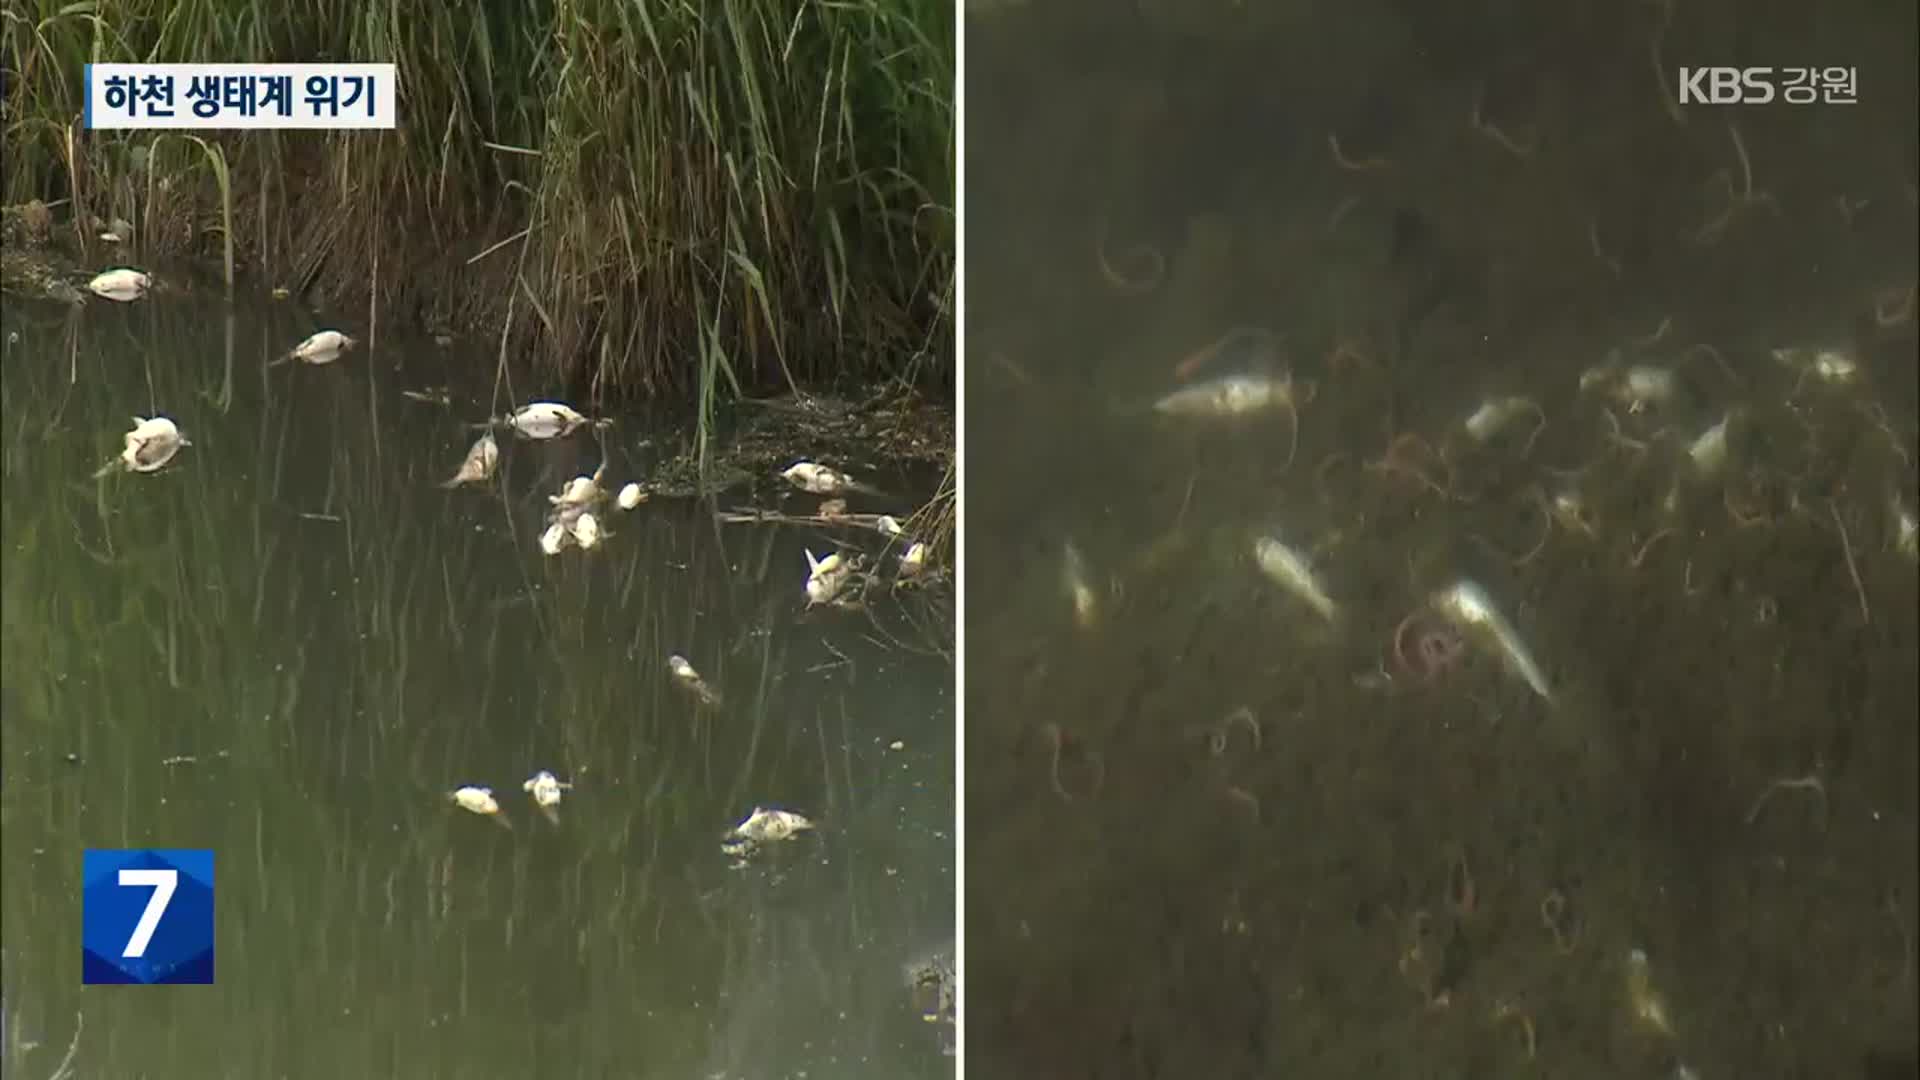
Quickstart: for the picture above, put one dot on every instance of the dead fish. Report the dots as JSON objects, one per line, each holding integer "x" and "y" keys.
{"x": 1709, "y": 452}
{"x": 887, "y": 525}
{"x": 586, "y": 531}
{"x": 820, "y": 480}
{"x": 913, "y": 560}
{"x": 827, "y": 577}
{"x": 1227, "y": 397}
{"x": 556, "y": 538}
{"x": 545, "y": 789}
{"x": 763, "y": 827}
{"x": 1495, "y": 414}
{"x": 478, "y": 800}
{"x": 149, "y": 446}
{"x": 631, "y": 496}
{"x": 482, "y": 458}
{"x": 545, "y": 420}
{"x": 691, "y": 682}
{"x": 1293, "y": 572}
{"x": 581, "y": 490}
{"x": 832, "y": 508}
{"x": 122, "y": 285}
{"x": 322, "y": 348}
{"x": 1468, "y": 607}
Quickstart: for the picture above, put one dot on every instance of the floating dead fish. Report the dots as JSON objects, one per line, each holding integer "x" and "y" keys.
{"x": 478, "y": 800}
{"x": 322, "y": 348}
{"x": 1231, "y": 397}
{"x": 828, "y": 577}
{"x": 631, "y": 496}
{"x": 586, "y": 531}
{"x": 1292, "y": 571}
{"x": 691, "y": 682}
{"x": 832, "y": 508}
{"x": 122, "y": 285}
{"x": 887, "y": 525}
{"x": 482, "y": 458}
{"x": 913, "y": 560}
{"x": 556, "y": 538}
{"x": 581, "y": 490}
{"x": 763, "y": 827}
{"x": 545, "y": 789}
{"x": 1468, "y": 607}
{"x": 149, "y": 446}
{"x": 821, "y": 480}
{"x": 1497, "y": 414}
{"x": 545, "y": 420}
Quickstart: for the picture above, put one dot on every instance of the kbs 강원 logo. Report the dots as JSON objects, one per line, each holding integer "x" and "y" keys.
{"x": 147, "y": 916}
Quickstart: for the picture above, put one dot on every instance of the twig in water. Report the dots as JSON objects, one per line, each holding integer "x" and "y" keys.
{"x": 1810, "y": 782}
{"x": 1853, "y": 571}
{"x": 1347, "y": 163}
{"x": 65, "y": 1069}
{"x": 1492, "y": 131}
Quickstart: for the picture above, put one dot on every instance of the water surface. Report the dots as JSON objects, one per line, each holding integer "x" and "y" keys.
{"x": 290, "y": 645}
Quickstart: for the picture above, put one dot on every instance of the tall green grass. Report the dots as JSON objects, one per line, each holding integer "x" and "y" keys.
{"x": 709, "y": 195}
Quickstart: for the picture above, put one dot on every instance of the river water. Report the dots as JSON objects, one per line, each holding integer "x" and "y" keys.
{"x": 1214, "y": 832}
{"x": 291, "y": 645}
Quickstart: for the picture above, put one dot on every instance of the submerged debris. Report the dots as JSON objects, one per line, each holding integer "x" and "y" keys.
{"x": 762, "y": 827}
{"x": 483, "y": 457}
{"x": 691, "y": 681}
{"x": 122, "y": 284}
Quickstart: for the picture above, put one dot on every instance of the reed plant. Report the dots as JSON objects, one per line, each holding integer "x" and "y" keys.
{"x": 698, "y": 196}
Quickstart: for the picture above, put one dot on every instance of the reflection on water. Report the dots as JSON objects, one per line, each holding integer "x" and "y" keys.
{"x": 1543, "y": 699}
{"x": 292, "y": 644}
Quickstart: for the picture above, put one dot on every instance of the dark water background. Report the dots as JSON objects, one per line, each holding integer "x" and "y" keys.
{"x": 335, "y": 643}
{"x": 1301, "y": 908}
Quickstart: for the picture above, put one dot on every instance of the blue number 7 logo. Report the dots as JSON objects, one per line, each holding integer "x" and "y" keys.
{"x": 147, "y": 916}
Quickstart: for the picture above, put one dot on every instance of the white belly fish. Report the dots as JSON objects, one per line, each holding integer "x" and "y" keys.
{"x": 1468, "y": 607}
{"x": 478, "y": 800}
{"x": 482, "y": 458}
{"x": 1238, "y": 395}
{"x": 149, "y": 446}
{"x": 545, "y": 789}
{"x": 827, "y": 578}
{"x": 581, "y": 490}
{"x": 545, "y": 420}
{"x": 1291, "y": 571}
{"x": 121, "y": 285}
{"x": 322, "y": 348}
{"x": 763, "y": 827}
{"x": 820, "y": 480}
{"x": 631, "y": 496}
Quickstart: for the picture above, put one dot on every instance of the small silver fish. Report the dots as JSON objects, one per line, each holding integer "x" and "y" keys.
{"x": 1469, "y": 607}
{"x": 482, "y": 458}
{"x": 1078, "y": 581}
{"x": 1291, "y": 571}
{"x": 1229, "y": 395}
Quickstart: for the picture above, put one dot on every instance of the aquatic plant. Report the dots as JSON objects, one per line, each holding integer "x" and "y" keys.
{"x": 685, "y": 198}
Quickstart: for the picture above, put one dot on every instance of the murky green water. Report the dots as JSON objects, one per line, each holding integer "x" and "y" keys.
{"x": 1446, "y": 877}
{"x": 290, "y": 646}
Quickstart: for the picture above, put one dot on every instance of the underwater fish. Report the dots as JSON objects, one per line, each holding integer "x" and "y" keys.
{"x": 122, "y": 285}
{"x": 482, "y": 458}
{"x": 1293, "y": 572}
{"x": 1469, "y": 607}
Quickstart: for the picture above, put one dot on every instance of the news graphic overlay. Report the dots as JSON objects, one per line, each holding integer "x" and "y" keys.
{"x": 239, "y": 97}
{"x": 146, "y": 916}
